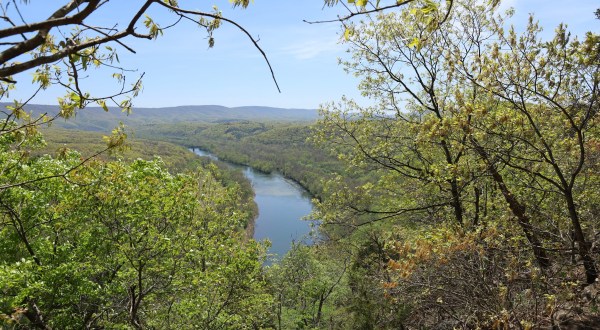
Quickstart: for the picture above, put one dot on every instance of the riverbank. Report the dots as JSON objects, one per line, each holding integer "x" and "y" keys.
{"x": 231, "y": 176}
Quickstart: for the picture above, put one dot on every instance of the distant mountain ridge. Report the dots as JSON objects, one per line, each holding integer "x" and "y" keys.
{"x": 96, "y": 119}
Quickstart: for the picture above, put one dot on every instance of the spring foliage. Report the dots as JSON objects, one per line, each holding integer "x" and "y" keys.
{"x": 115, "y": 244}
{"x": 483, "y": 143}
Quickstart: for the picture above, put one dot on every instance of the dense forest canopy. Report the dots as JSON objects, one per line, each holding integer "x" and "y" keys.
{"x": 465, "y": 195}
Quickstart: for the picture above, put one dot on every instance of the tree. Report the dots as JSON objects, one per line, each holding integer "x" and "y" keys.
{"x": 551, "y": 94}
{"x": 68, "y": 43}
{"x": 409, "y": 79}
{"x": 44, "y": 44}
{"x": 517, "y": 117}
{"x": 443, "y": 84}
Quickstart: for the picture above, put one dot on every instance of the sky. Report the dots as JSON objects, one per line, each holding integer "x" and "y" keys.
{"x": 180, "y": 69}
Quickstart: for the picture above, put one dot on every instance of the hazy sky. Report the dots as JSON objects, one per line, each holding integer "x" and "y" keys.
{"x": 181, "y": 70}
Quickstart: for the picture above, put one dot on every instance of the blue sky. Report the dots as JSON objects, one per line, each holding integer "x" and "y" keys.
{"x": 181, "y": 70}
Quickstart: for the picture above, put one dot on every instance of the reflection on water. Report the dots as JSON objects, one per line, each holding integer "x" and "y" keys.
{"x": 281, "y": 205}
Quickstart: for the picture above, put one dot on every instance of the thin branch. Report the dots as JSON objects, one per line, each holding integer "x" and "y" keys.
{"x": 241, "y": 28}
{"x": 400, "y": 212}
{"x": 107, "y": 35}
{"x": 365, "y": 12}
{"x": 58, "y": 18}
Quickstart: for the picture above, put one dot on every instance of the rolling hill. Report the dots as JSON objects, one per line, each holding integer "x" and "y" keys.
{"x": 95, "y": 119}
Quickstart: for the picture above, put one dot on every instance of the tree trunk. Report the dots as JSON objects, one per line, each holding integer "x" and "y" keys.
{"x": 35, "y": 316}
{"x": 584, "y": 247}
{"x": 517, "y": 209}
{"x": 458, "y": 211}
{"x": 477, "y": 206}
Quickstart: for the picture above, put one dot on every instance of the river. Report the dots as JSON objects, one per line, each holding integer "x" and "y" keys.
{"x": 281, "y": 203}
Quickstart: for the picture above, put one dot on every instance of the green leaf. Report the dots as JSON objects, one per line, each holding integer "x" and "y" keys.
{"x": 415, "y": 43}
{"x": 348, "y": 33}
{"x": 102, "y": 103}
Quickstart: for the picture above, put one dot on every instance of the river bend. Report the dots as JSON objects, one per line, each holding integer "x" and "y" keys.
{"x": 281, "y": 203}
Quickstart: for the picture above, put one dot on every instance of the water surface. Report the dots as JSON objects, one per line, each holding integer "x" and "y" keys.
{"x": 282, "y": 204}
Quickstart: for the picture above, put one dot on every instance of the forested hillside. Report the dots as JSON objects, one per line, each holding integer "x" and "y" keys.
{"x": 176, "y": 158}
{"x": 267, "y": 146}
